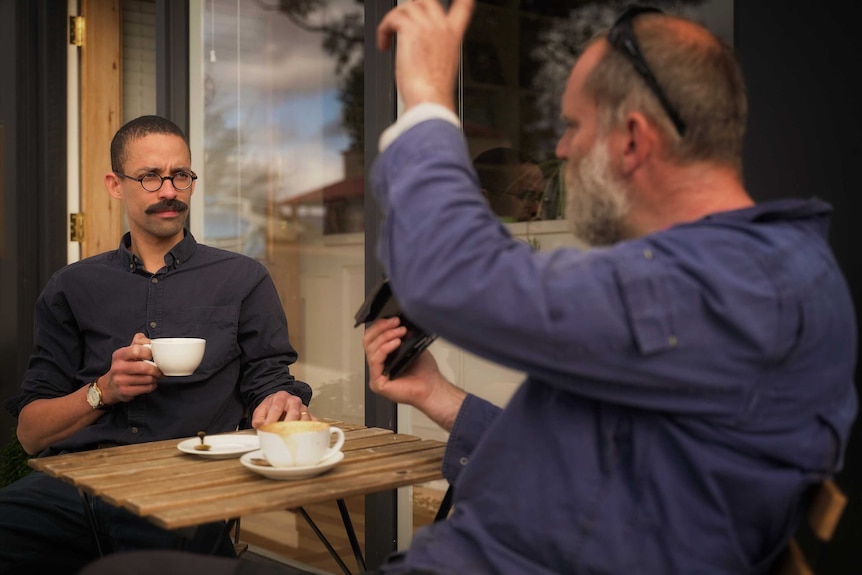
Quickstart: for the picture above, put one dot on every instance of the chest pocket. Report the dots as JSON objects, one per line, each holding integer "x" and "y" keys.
{"x": 219, "y": 326}
{"x": 646, "y": 294}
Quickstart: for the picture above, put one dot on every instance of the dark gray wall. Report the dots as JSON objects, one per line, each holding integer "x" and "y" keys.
{"x": 33, "y": 36}
{"x": 801, "y": 63}
{"x": 8, "y": 243}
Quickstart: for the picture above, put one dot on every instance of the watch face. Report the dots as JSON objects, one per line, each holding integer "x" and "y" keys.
{"x": 94, "y": 398}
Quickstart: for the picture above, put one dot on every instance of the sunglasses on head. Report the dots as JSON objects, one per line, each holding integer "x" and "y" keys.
{"x": 622, "y": 37}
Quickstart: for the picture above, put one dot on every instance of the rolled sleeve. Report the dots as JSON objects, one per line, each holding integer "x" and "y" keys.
{"x": 473, "y": 420}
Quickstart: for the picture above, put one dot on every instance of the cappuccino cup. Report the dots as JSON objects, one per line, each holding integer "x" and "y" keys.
{"x": 298, "y": 443}
{"x": 177, "y": 355}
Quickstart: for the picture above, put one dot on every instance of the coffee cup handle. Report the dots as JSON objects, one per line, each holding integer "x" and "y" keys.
{"x": 338, "y": 442}
{"x": 151, "y": 362}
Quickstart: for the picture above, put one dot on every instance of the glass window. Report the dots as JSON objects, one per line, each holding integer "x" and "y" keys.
{"x": 278, "y": 96}
{"x": 139, "y": 58}
{"x": 281, "y": 160}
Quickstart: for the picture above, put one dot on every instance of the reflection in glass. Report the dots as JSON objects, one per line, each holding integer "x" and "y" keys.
{"x": 283, "y": 170}
{"x": 283, "y": 182}
{"x": 517, "y": 58}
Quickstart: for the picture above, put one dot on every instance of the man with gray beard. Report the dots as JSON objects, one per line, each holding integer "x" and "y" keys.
{"x": 689, "y": 378}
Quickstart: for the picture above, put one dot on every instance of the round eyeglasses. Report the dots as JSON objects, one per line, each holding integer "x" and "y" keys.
{"x": 152, "y": 182}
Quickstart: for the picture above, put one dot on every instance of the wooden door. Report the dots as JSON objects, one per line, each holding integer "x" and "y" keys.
{"x": 100, "y": 118}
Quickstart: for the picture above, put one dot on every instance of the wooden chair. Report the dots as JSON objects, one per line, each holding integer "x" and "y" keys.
{"x": 824, "y": 511}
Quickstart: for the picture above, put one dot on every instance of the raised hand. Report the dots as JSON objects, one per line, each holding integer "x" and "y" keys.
{"x": 428, "y": 48}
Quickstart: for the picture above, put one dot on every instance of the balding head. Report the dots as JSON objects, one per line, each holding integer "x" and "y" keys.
{"x": 697, "y": 72}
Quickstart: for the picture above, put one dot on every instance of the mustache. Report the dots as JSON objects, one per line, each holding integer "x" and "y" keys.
{"x": 167, "y": 206}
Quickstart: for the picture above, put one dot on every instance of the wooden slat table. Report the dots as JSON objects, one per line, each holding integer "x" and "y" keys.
{"x": 175, "y": 490}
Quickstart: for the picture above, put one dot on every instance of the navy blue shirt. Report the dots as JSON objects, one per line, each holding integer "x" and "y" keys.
{"x": 684, "y": 390}
{"x": 92, "y": 307}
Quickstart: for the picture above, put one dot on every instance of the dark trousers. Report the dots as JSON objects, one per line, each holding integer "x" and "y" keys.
{"x": 43, "y": 529}
{"x": 175, "y": 563}
{"x": 178, "y": 563}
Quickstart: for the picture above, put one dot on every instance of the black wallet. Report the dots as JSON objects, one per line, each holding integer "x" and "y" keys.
{"x": 381, "y": 303}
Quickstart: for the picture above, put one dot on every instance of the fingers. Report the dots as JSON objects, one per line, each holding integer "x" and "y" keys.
{"x": 460, "y": 13}
{"x": 379, "y": 327}
{"x": 457, "y": 19}
{"x": 380, "y": 339}
{"x": 400, "y": 18}
{"x": 280, "y": 406}
{"x": 140, "y": 339}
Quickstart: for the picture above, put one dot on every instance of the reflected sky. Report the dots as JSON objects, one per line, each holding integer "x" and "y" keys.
{"x": 274, "y": 92}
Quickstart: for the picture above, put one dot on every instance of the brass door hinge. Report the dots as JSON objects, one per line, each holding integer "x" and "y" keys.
{"x": 76, "y": 227}
{"x": 76, "y": 30}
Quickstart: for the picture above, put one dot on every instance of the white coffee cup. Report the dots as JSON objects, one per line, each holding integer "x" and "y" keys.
{"x": 177, "y": 355}
{"x": 298, "y": 443}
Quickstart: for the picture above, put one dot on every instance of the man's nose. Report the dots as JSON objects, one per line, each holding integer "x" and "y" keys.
{"x": 562, "y": 151}
{"x": 168, "y": 190}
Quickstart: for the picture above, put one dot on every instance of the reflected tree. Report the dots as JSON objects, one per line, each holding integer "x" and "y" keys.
{"x": 342, "y": 38}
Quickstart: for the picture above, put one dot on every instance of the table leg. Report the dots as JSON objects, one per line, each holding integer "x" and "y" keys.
{"x": 91, "y": 519}
{"x": 324, "y": 540}
{"x": 351, "y": 535}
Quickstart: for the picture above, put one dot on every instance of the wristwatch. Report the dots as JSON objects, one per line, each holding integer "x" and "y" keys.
{"x": 94, "y": 396}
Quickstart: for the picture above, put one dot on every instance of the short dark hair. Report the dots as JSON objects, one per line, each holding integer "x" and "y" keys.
{"x": 138, "y": 128}
{"x": 492, "y": 167}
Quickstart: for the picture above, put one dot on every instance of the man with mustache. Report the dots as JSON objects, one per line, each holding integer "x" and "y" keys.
{"x": 88, "y": 385}
{"x": 690, "y": 377}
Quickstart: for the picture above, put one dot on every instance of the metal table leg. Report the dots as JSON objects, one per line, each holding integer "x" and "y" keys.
{"x": 324, "y": 540}
{"x": 351, "y": 535}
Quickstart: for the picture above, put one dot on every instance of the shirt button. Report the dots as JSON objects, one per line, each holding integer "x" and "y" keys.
{"x": 155, "y": 280}
{"x": 648, "y": 254}
{"x": 132, "y": 266}
{"x": 134, "y": 430}
{"x": 153, "y": 324}
{"x": 463, "y": 461}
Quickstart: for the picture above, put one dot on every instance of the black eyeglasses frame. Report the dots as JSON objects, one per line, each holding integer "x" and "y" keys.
{"x": 622, "y": 37}
{"x": 140, "y": 180}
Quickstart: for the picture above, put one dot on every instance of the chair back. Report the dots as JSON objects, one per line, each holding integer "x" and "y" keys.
{"x": 824, "y": 512}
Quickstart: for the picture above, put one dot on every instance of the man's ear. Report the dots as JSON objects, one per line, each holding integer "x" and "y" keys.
{"x": 638, "y": 140}
{"x": 112, "y": 183}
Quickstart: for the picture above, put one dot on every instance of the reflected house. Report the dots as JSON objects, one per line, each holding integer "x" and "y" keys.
{"x": 231, "y": 223}
{"x": 342, "y": 203}
{"x": 337, "y": 208}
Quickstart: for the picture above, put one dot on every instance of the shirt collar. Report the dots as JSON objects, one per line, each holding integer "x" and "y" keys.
{"x": 175, "y": 256}
{"x": 778, "y": 210}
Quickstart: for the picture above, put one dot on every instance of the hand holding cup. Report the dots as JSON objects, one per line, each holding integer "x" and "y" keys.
{"x": 176, "y": 356}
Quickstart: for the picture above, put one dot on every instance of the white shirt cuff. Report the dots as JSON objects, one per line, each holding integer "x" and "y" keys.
{"x": 416, "y": 115}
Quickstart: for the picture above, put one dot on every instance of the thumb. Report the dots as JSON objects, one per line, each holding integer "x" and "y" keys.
{"x": 459, "y": 15}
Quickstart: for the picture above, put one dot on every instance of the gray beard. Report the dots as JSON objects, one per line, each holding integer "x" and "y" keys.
{"x": 596, "y": 203}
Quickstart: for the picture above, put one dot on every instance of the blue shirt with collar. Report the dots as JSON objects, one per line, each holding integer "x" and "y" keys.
{"x": 90, "y": 308}
{"x": 684, "y": 390}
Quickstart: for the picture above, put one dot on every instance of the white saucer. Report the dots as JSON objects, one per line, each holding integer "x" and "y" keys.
{"x": 221, "y": 446}
{"x": 303, "y": 472}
